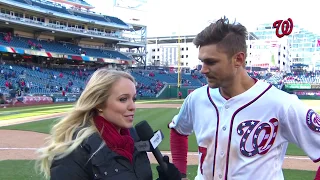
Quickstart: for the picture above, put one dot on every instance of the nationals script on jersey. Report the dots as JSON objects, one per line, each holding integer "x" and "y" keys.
{"x": 246, "y": 137}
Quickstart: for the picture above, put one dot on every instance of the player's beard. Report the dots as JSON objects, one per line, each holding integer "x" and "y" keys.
{"x": 213, "y": 83}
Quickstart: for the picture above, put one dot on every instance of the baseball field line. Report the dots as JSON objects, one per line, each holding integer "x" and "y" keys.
{"x": 10, "y": 122}
{"x": 155, "y": 101}
{"x": 26, "y": 108}
{"x": 23, "y": 120}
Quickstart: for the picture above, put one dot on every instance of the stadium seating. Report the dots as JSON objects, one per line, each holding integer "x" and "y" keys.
{"x": 55, "y": 19}
{"x": 90, "y": 16}
{"x": 80, "y": 1}
{"x": 42, "y": 81}
{"x": 48, "y": 46}
{"x": 146, "y": 85}
{"x": 72, "y": 12}
{"x": 275, "y": 79}
{"x": 62, "y": 9}
{"x": 115, "y": 20}
{"x": 97, "y": 52}
{"x": 14, "y": 42}
{"x": 167, "y": 78}
{"x": 21, "y": 1}
{"x": 305, "y": 78}
{"x": 50, "y": 6}
{"x": 65, "y": 48}
{"x": 116, "y": 54}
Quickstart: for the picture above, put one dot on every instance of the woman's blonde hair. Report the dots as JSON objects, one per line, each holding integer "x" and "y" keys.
{"x": 61, "y": 142}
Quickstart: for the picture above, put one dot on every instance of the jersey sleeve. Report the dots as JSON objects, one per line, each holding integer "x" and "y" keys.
{"x": 182, "y": 122}
{"x": 302, "y": 127}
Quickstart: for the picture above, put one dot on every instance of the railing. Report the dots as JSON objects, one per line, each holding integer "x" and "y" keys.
{"x": 60, "y": 27}
{"x": 62, "y": 15}
{"x": 49, "y": 3}
{"x": 28, "y": 1}
{"x": 135, "y": 40}
{"x": 80, "y": 2}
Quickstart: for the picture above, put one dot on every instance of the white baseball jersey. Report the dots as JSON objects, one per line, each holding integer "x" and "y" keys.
{"x": 246, "y": 137}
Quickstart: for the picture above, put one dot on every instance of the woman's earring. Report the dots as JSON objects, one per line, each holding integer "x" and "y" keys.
{"x": 100, "y": 110}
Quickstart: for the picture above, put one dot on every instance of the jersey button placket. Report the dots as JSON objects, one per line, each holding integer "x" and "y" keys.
{"x": 223, "y": 135}
{"x": 222, "y": 154}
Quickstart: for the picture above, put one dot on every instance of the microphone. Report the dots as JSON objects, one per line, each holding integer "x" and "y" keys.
{"x": 145, "y": 133}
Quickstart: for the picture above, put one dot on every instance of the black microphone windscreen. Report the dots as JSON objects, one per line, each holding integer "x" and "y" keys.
{"x": 144, "y": 130}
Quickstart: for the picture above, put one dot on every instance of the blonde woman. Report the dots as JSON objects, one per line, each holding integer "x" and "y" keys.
{"x": 96, "y": 139}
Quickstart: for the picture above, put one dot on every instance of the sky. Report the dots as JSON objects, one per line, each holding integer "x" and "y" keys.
{"x": 181, "y": 17}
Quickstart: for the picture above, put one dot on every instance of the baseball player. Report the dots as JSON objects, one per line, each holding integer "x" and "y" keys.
{"x": 242, "y": 125}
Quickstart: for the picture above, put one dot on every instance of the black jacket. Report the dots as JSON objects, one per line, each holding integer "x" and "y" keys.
{"x": 104, "y": 165}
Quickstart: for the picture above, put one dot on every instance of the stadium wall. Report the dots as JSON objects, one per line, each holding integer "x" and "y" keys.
{"x": 59, "y": 99}
{"x": 309, "y": 97}
{"x": 304, "y": 91}
{"x": 172, "y": 92}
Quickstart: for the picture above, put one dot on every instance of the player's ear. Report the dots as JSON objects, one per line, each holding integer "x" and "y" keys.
{"x": 239, "y": 59}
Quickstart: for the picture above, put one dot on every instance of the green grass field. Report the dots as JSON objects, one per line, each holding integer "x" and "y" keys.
{"x": 29, "y": 111}
{"x": 156, "y": 122}
{"x": 158, "y": 119}
{"x": 26, "y": 171}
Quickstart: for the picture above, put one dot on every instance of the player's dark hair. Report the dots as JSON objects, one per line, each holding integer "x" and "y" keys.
{"x": 230, "y": 38}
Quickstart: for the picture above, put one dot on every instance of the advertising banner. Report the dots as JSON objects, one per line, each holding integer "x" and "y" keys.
{"x": 298, "y": 86}
{"x": 36, "y": 100}
{"x": 315, "y": 86}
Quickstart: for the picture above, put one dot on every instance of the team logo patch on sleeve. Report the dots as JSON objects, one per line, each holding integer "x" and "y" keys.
{"x": 313, "y": 120}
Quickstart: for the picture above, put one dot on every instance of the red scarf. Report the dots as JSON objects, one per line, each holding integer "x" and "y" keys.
{"x": 121, "y": 143}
